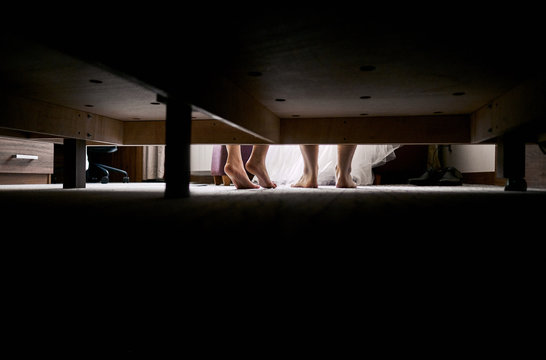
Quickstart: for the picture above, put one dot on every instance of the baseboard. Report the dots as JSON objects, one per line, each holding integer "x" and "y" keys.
{"x": 201, "y": 178}
{"x": 483, "y": 178}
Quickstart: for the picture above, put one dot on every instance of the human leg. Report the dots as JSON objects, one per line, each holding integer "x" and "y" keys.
{"x": 256, "y": 165}
{"x": 345, "y": 155}
{"x": 235, "y": 169}
{"x": 309, "y": 179}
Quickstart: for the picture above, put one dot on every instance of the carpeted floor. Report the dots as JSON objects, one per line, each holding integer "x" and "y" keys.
{"x": 134, "y": 222}
{"x": 119, "y": 269}
{"x": 139, "y": 209}
{"x": 119, "y": 222}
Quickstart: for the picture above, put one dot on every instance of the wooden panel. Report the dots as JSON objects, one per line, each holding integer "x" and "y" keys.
{"x": 382, "y": 130}
{"x": 217, "y": 132}
{"x": 31, "y": 70}
{"x": 35, "y": 116}
{"x": 222, "y": 100}
{"x": 523, "y": 105}
{"x": 483, "y": 178}
{"x": 13, "y": 179}
{"x": 144, "y": 132}
{"x": 377, "y": 130}
{"x": 203, "y": 132}
{"x": 104, "y": 129}
{"x": 128, "y": 158}
{"x": 43, "y": 164}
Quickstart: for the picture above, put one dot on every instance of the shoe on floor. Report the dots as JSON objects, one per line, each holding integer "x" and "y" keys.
{"x": 430, "y": 177}
{"x": 451, "y": 177}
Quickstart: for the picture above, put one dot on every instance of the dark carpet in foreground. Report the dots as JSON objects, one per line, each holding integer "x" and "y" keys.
{"x": 120, "y": 270}
{"x": 140, "y": 212}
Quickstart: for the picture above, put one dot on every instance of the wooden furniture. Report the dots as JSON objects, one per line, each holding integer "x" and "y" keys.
{"x": 277, "y": 77}
{"x": 97, "y": 170}
{"x": 410, "y": 162}
{"x": 25, "y": 161}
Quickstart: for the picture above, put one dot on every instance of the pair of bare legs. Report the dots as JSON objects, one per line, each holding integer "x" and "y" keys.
{"x": 255, "y": 165}
{"x": 310, "y": 153}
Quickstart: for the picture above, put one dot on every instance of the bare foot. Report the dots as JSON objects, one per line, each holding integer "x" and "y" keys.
{"x": 344, "y": 180}
{"x": 239, "y": 177}
{"x": 306, "y": 181}
{"x": 259, "y": 170}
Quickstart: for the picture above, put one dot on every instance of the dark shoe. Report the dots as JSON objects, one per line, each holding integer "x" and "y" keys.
{"x": 430, "y": 177}
{"x": 451, "y": 177}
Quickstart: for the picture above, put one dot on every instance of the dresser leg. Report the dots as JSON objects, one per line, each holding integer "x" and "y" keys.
{"x": 177, "y": 148}
{"x": 511, "y": 163}
{"x": 74, "y": 151}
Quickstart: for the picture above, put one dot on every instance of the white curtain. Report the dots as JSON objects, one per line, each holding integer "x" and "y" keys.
{"x": 154, "y": 162}
{"x": 285, "y": 163}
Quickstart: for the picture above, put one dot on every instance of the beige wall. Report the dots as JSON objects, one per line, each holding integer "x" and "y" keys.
{"x": 472, "y": 158}
{"x": 201, "y": 157}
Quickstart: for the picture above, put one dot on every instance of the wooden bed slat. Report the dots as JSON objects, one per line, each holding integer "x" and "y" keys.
{"x": 448, "y": 129}
{"x": 39, "y": 117}
{"x": 224, "y": 101}
{"x": 203, "y": 132}
{"x": 522, "y": 106}
{"x": 35, "y": 116}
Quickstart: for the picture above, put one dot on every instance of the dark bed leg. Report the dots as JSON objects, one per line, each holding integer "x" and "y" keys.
{"x": 74, "y": 163}
{"x": 511, "y": 163}
{"x": 177, "y": 149}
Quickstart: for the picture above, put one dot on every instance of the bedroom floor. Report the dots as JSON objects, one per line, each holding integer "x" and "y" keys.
{"x": 122, "y": 257}
{"x": 220, "y": 227}
{"x": 284, "y": 212}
